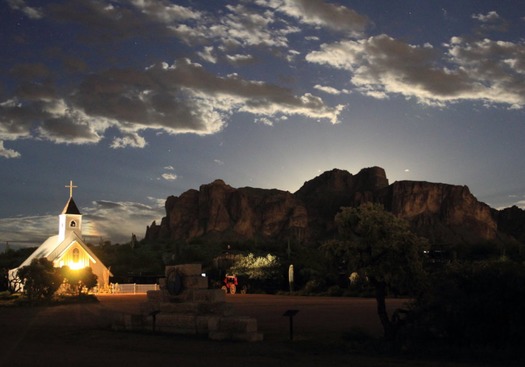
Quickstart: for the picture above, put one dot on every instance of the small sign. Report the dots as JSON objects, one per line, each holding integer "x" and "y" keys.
{"x": 290, "y": 314}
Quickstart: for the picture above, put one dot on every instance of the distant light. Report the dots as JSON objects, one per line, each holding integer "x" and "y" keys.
{"x": 203, "y": 275}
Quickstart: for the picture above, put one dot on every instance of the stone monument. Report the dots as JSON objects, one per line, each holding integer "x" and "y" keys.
{"x": 185, "y": 305}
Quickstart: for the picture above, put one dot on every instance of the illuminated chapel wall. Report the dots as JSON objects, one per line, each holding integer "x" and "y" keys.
{"x": 75, "y": 258}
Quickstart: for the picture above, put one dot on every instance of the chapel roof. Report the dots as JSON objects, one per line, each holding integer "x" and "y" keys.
{"x": 71, "y": 207}
{"x": 43, "y": 250}
{"x": 52, "y": 249}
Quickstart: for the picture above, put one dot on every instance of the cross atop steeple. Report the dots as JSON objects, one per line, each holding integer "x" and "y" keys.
{"x": 70, "y": 186}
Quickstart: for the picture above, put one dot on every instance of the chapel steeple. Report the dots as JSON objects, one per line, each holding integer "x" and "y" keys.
{"x": 70, "y": 220}
{"x": 71, "y": 207}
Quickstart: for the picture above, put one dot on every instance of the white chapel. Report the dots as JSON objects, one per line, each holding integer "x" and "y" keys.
{"x": 68, "y": 248}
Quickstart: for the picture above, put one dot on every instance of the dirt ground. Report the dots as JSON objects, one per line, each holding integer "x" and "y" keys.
{"x": 80, "y": 335}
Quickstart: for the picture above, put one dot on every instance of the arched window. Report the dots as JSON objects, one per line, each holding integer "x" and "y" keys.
{"x": 76, "y": 255}
{"x": 73, "y": 224}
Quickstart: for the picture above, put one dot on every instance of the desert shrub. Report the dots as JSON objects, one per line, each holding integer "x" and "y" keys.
{"x": 257, "y": 267}
{"x": 78, "y": 281}
{"x": 314, "y": 286}
{"x": 335, "y": 291}
{"x": 262, "y": 272}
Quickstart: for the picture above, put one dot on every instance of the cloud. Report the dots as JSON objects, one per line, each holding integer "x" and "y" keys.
{"x": 491, "y": 22}
{"x": 109, "y": 220}
{"x": 331, "y": 90}
{"x": 214, "y": 97}
{"x": 157, "y": 202}
{"x": 133, "y": 140}
{"x": 239, "y": 59}
{"x": 491, "y": 16}
{"x": 169, "y": 176}
{"x": 102, "y": 20}
{"x": 241, "y": 25}
{"x": 48, "y": 119}
{"x": 32, "y": 229}
{"x": 207, "y": 55}
{"x": 70, "y": 127}
{"x": 122, "y": 101}
{"x": 234, "y": 26}
{"x": 8, "y": 153}
{"x": 166, "y": 12}
{"x": 264, "y": 121}
{"x": 485, "y": 70}
{"x": 125, "y": 218}
{"x": 321, "y": 13}
{"x": 15, "y": 120}
{"x": 179, "y": 98}
{"x": 497, "y": 65}
{"x": 30, "y": 12}
{"x": 247, "y": 27}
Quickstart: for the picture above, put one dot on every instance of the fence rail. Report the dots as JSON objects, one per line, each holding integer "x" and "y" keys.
{"x": 133, "y": 288}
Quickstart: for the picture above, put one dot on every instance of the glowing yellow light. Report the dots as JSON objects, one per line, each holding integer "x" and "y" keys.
{"x": 75, "y": 265}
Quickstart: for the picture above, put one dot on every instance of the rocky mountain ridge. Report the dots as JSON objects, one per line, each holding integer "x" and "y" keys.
{"x": 445, "y": 214}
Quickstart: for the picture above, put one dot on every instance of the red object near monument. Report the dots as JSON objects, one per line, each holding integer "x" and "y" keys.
{"x": 230, "y": 284}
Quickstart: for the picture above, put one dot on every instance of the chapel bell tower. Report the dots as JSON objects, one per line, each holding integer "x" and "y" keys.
{"x": 70, "y": 220}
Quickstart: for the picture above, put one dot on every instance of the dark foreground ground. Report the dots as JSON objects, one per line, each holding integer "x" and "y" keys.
{"x": 80, "y": 335}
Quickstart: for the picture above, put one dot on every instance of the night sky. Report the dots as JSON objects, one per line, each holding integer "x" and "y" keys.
{"x": 141, "y": 99}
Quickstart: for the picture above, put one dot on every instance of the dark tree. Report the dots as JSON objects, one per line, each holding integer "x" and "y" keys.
{"x": 381, "y": 248}
{"x": 40, "y": 278}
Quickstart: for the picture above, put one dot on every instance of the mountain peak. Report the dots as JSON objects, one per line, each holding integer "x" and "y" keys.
{"x": 445, "y": 214}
